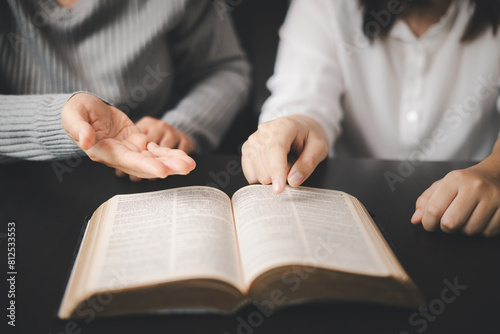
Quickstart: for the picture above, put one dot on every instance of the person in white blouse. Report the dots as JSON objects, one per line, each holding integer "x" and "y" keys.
{"x": 407, "y": 80}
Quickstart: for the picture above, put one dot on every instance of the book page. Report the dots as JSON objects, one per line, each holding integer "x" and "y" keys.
{"x": 301, "y": 226}
{"x": 168, "y": 235}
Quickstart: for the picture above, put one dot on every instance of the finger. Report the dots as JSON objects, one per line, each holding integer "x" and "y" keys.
{"x": 179, "y": 165}
{"x": 262, "y": 172}
{"x": 145, "y": 125}
{"x": 183, "y": 145}
{"x": 493, "y": 226}
{"x": 120, "y": 173}
{"x": 479, "y": 219}
{"x": 144, "y": 167}
{"x": 169, "y": 139}
{"x": 162, "y": 151}
{"x": 154, "y": 136}
{"x": 276, "y": 140}
{"x": 437, "y": 205}
{"x": 250, "y": 151}
{"x": 417, "y": 216}
{"x": 117, "y": 155}
{"x": 249, "y": 159}
{"x": 76, "y": 124}
{"x": 186, "y": 145}
{"x": 422, "y": 202}
{"x": 176, "y": 160}
{"x": 315, "y": 151}
{"x": 457, "y": 213}
{"x": 135, "y": 178}
{"x": 277, "y": 160}
{"x": 248, "y": 169}
{"x": 87, "y": 136}
{"x": 149, "y": 154}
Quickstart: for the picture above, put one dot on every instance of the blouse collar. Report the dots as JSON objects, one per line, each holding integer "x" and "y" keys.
{"x": 402, "y": 31}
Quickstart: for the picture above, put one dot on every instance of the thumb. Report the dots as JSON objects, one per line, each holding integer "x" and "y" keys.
{"x": 86, "y": 136}
{"x": 76, "y": 123}
{"x": 315, "y": 150}
{"x": 417, "y": 216}
{"x": 422, "y": 202}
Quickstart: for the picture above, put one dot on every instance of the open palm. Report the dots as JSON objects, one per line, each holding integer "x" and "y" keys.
{"x": 108, "y": 136}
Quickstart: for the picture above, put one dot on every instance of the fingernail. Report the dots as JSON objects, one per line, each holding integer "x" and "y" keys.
{"x": 277, "y": 185}
{"x": 296, "y": 179}
{"x": 416, "y": 215}
{"x": 80, "y": 140}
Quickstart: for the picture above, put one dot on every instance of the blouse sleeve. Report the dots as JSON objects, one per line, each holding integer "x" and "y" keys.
{"x": 307, "y": 78}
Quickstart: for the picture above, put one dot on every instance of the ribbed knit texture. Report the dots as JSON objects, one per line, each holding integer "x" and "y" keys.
{"x": 175, "y": 60}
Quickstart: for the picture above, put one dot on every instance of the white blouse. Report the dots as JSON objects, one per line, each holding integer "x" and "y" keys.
{"x": 403, "y": 97}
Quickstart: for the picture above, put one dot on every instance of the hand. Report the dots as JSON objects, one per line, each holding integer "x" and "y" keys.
{"x": 266, "y": 154}
{"x": 464, "y": 200}
{"x": 107, "y": 135}
{"x": 164, "y": 135}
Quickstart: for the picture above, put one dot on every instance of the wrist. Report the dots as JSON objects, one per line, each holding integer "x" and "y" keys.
{"x": 490, "y": 165}
{"x": 85, "y": 94}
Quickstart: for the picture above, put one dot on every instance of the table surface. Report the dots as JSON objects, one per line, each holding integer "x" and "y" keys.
{"x": 49, "y": 201}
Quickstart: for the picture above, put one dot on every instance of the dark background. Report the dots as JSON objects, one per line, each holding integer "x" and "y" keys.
{"x": 257, "y": 23}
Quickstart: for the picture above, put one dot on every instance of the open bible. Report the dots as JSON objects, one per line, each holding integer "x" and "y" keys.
{"x": 196, "y": 248}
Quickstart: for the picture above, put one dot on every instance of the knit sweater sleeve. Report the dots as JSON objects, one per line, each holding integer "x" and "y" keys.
{"x": 212, "y": 71}
{"x": 31, "y": 129}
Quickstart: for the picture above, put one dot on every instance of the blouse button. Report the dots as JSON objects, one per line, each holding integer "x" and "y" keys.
{"x": 412, "y": 116}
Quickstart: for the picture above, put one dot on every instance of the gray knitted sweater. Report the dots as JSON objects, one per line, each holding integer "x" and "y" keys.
{"x": 177, "y": 60}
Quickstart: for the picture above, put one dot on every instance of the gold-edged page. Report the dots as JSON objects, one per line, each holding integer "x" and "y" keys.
{"x": 302, "y": 226}
{"x": 378, "y": 241}
{"x": 169, "y": 235}
{"x": 77, "y": 287}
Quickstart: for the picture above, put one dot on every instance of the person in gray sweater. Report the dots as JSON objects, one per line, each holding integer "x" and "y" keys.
{"x": 133, "y": 84}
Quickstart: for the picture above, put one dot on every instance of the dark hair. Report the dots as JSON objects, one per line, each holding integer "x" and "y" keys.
{"x": 486, "y": 15}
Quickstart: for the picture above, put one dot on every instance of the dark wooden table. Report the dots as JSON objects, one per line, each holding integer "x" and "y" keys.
{"x": 49, "y": 201}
